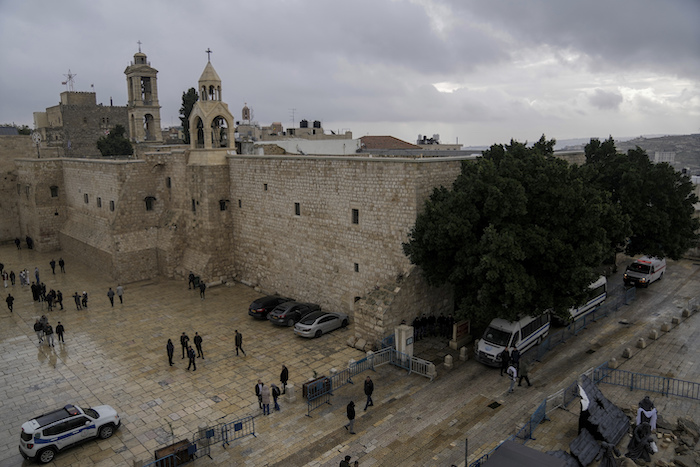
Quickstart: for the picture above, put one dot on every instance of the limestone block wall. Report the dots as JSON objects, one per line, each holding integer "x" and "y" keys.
{"x": 84, "y": 125}
{"x": 11, "y": 148}
{"x": 319, "y": 254}
{"x": 41, "y": 213}
{"x": 383, "y": 309}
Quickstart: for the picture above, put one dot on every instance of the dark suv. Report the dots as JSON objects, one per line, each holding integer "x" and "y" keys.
{"x": 287, "y": 314}
{"x": 262, "y": 306}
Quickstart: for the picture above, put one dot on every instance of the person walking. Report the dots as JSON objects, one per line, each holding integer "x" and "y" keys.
{"x": 265, "y": 399}
{"x": 184, "y": 342}
{"x": 170, "y": 348}
{"x": 85, "y": 299}
{"x": 120, "y": 293}
{"x": 39, "y": 330}
{"x": 192, "y": 355}
{"x": 76, "y": 297}
{"x": 505, "y": 360}
{"x": 59, "y": 298}
{"x": 52, "y": 263}
{"x": 275, "y": 394}
{"x": 10, "y": 300}
{"x": 190, "y": 284}
{"x": 198, "y": 344}
{"x": 239, "y": 343}
{"x": 110, "y": 295}
{"x": 12, "y": 278}
{"x": 18, "y": 243}
{"x": 202, "y": 288}
{"x": 345, "y": 462}
{"x": 59, "y": 332}
{"x": 62, "y": 265}
{"x": 351, "y": 417}
{"x": 258, "y": 392}
{"x": 284, "y": 377}
{"x": 5, "y": 278}
{"x": 48, "y": 332}
{"x": 36, "y": 274}
{"x": 515, "y": 357}
{"x": 369, "y": 389}
{"x": 523, "y": 370}
{"x": 513, "y": 373}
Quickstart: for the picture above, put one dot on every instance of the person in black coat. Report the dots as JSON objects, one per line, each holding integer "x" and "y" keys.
{"x": 369, "y": 388}
{"x": 351, "y": 417}
{"x": 284, "y": 377}
{"x": 258, "y": 392}
{"x": 184, "y": 342}
{"x": 171, "y": 350}
{"x": 10, "y": 300}
{"x": 193, "y": 356}
{"x": 505, "y": 360}
{"x": 198, "y": 344}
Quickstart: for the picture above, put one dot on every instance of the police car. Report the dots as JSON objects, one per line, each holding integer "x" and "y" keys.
{"x": 43, "y": 437}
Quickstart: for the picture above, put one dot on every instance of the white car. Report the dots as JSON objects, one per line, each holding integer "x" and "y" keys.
{"x": 318, "y": 322}
{"x": 44, "y": 436}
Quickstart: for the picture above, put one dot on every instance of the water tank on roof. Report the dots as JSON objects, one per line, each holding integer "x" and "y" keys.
{"x": 304, "y": 124}
{"x": 317, "y": 124}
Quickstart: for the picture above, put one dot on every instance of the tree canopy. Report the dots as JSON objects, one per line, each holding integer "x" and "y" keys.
{"x": 520, "y": 232}
{"x": 657, "y": 200}
{"x": 188, "y": 100}
{"x": 115, "y": 143}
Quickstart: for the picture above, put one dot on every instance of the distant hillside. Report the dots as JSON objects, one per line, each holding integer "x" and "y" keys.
{"x": 686, "y": 147}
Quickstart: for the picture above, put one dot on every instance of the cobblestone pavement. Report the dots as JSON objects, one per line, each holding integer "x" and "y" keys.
{"x": 116, "y": 356}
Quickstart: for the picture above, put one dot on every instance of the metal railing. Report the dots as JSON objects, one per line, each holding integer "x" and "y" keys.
{"x": 649, "y": 383}
{"x": 237, "y": 429}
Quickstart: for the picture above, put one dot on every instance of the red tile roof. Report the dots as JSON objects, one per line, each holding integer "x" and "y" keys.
{"x": 385, "y": 142}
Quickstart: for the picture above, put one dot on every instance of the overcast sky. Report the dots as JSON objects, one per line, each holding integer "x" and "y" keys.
{"x": 480, "y": 72}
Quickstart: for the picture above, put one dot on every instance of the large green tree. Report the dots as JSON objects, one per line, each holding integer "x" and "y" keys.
{"x": 188, "y": 100}
{"x": 520, "y": 232}
{"x": 115, "y": 143}
{"x": 657, "y": 200}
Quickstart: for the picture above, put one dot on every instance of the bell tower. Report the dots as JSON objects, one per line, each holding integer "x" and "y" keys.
{"x": 142, "y": 106}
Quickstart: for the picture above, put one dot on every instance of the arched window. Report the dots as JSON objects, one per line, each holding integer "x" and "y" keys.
{"x": 150, "y": 202}
{"x": 54, "y": 191}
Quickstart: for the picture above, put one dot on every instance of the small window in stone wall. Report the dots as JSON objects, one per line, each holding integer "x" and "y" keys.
{"x": 240, "y": 204}
{"x": 194, "y": 205}
{"x": 99, "y": 202}
{"x": 111, "y": 205}
{"x": 297, "y": 209}
{"x": 168, "y": 182}
{"x": 222, "y": 204}
{"x": 265, "y": 186}
{"x": 84, "y": 119}
{"x": 357, "y": 267}
{"x": 26, "y": 190}
{"x": 86, "y": 198}
{"x": 355, "y": 216}
{"x": 19, "y": 188}
{"x": 54, "y": 191}
{"x": 150, "y": 203}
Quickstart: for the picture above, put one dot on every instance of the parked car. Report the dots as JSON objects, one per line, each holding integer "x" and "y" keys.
{"x": 319, "y": 322}
{"x": 264, "y": 305}
{"x": 289, "y": 313}
{"x": 46, "y": 435}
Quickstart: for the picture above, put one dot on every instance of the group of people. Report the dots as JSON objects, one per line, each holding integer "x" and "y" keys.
{"x": 264, "y": 392}
{"x": 119, "y": 293}
{"x": 81, "y": 300}
{"x": 187, "y": 350}
{"x": 350, "y": 408}
{"x": 515, "y": 368}
{"x": 431, "y": 326}
{"x": 44, "y": 331}
{"x": 194, "y": 283}
{"x": 28, "y": 239}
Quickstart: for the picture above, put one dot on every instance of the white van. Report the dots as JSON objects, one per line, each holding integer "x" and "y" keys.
{"x": 644, "y": 271}
{"x": 597, "y": 293}
{"x": 500, "y": 334}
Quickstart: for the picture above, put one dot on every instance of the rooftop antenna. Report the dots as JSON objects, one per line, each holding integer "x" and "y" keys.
{"x": 69, "y": 80}
{"x": 209, "y": 52}
{"x": 292, "y": 110}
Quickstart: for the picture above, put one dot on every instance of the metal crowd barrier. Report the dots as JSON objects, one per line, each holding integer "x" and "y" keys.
{"x": 650, "y": 383}
{"x": 237, "y": 429}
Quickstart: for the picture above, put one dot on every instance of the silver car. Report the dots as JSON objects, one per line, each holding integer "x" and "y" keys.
{"x": 319, "y": 322}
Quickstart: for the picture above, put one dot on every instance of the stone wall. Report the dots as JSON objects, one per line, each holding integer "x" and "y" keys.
{"x": 384, "y": 308}
{"x": 320, "y": 255}
{"x": 84, "y": 125}
{"x": 11, "y": 148}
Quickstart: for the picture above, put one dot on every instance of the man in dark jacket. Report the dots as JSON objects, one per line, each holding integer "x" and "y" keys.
{"x": 284, "y": 377}
{"x": 10, "y": 300}
{"x": 239, "y": 342}
{"x": 258, "y": 392}
{"x": 193, "y": 356}
{"x": 59, "y": 331}
{"x": 351, "y": 418}
{"x": 369, "y": 388}
{"x": 170, "y": 348}
{"x": 184, "y": 342}
{"x": 198, "y": 344}
{"x": 505, "y": 360}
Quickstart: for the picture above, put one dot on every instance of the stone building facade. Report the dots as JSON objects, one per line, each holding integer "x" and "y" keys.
{"x": 321, "y": 228}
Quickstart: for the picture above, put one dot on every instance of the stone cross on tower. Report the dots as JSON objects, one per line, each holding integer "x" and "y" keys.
{"x": 208, "y": 51}
{"x": 139, "y": 43}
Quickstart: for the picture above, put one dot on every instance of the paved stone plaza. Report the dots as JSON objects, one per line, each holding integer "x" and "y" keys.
{"x": 117, "y": 356}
